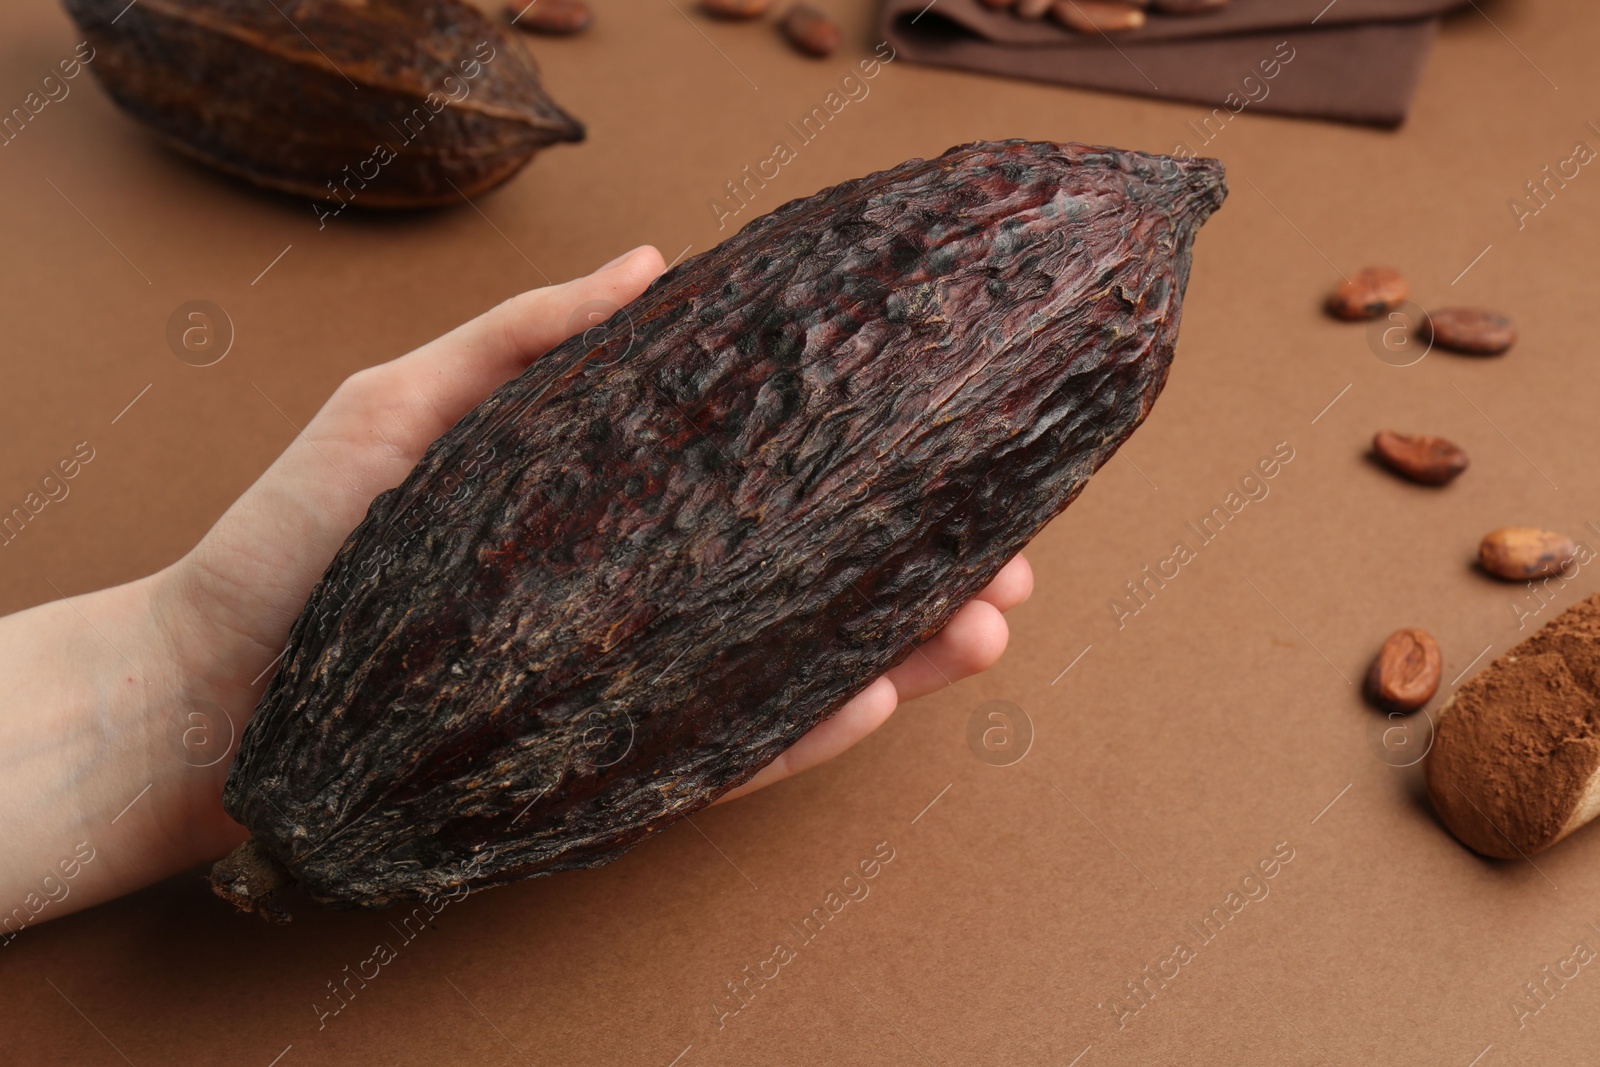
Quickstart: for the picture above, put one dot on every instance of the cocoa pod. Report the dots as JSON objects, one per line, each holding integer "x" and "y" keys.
{"x": 1419, "y": 457}
{"x": 382, "y": 103}
{"x": 1520, "y": 553}
{"x": 1405, "y": 674}
{"x": 712, "y": 521}
{"x": 1473, "y": 331}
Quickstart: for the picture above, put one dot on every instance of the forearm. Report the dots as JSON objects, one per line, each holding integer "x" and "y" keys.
{"x": 92, "y": 755}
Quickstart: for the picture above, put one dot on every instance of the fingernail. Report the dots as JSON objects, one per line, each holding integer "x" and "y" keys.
{"x": 619, "y": 259}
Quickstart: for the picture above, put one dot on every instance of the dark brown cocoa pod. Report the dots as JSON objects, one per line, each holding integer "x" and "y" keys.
{"x": 709, "y": 523}
{"x": 381, "y": 103}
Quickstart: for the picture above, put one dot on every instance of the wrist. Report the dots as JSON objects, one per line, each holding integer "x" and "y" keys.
{"x": 103, "y": 790}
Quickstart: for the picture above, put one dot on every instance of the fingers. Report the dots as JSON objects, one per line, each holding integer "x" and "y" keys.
{"x": 865, "y": 712}
{"x": 1011, "y": 586}
{"x": 408, "y": 402}
{"x": 970, "y": 642}
{"x": 527, "y": 325}
{"x": 258, "y": 562}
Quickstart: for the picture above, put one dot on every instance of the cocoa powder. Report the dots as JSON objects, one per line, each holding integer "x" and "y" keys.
{"x": 1515, "y": 748}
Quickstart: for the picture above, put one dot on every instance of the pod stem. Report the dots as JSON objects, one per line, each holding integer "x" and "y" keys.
{"x": 249, "y": 878}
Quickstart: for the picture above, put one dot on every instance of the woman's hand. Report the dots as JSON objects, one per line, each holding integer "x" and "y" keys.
{"x": 116, "y": 695}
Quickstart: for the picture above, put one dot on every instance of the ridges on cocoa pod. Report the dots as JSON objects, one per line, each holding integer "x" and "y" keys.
{"x": 377, "y": 103}
{"x": 708, "y": 525}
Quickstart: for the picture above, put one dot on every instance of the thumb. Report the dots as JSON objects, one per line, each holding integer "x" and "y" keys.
{"x": 412, "y": 400}
{"x": 251, "y": 573}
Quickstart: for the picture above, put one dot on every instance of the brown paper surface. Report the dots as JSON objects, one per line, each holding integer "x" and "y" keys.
{"x": 1170, "y": 756}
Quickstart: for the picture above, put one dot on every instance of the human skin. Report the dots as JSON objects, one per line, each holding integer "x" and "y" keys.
{"x": 109, "y": 700}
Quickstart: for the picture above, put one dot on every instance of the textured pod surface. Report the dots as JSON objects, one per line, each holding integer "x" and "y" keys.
{"x": 635, "y": 574}
{"x": 381, "y": 103}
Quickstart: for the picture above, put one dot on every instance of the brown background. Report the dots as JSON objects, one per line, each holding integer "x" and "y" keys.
{"x": 1174, "y": 755}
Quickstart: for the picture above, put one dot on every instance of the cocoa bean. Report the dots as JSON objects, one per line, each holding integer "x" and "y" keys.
{"x": 1368, "y": 293}
{"x": 555, "y": 18}
{"x": 712, "y": 520}
{"x": 1424, "y": 459}
{"x": 997, "y": 5}
{"x": 1032, "y": 9}
{"x": 1518, "y": 553}
{"x": 1096, "y": 16}
{"x": 1405, "y": 674}
{"x": 810, "y": 30}
{"x": 736, "y": 9}
{"x": 1474, "y": 331}
{"x": 1188, "y": 7}
{"x": 431, "y": 96}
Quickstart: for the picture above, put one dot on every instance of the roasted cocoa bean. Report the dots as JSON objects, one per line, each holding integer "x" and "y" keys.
{"x": 713, "y": 520}
{"x": 1518, "y": 553}
{"x": 1032, "y": 9}
{"x": 1474, "y": 331}
{"x": 1424, "y": 459}
{"x": 736, "y": 9}
{"x": 1096, "y": 16}
{"x": 429, "y": 95}
{"x": 1188, "y": 7}
{"x": 810, "y": 30}
{"x": 1368, "y": 293}
{"x": 555, "y": 18}
{"x": 997, "y": 5}
{"x": 1405, "y": 674}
